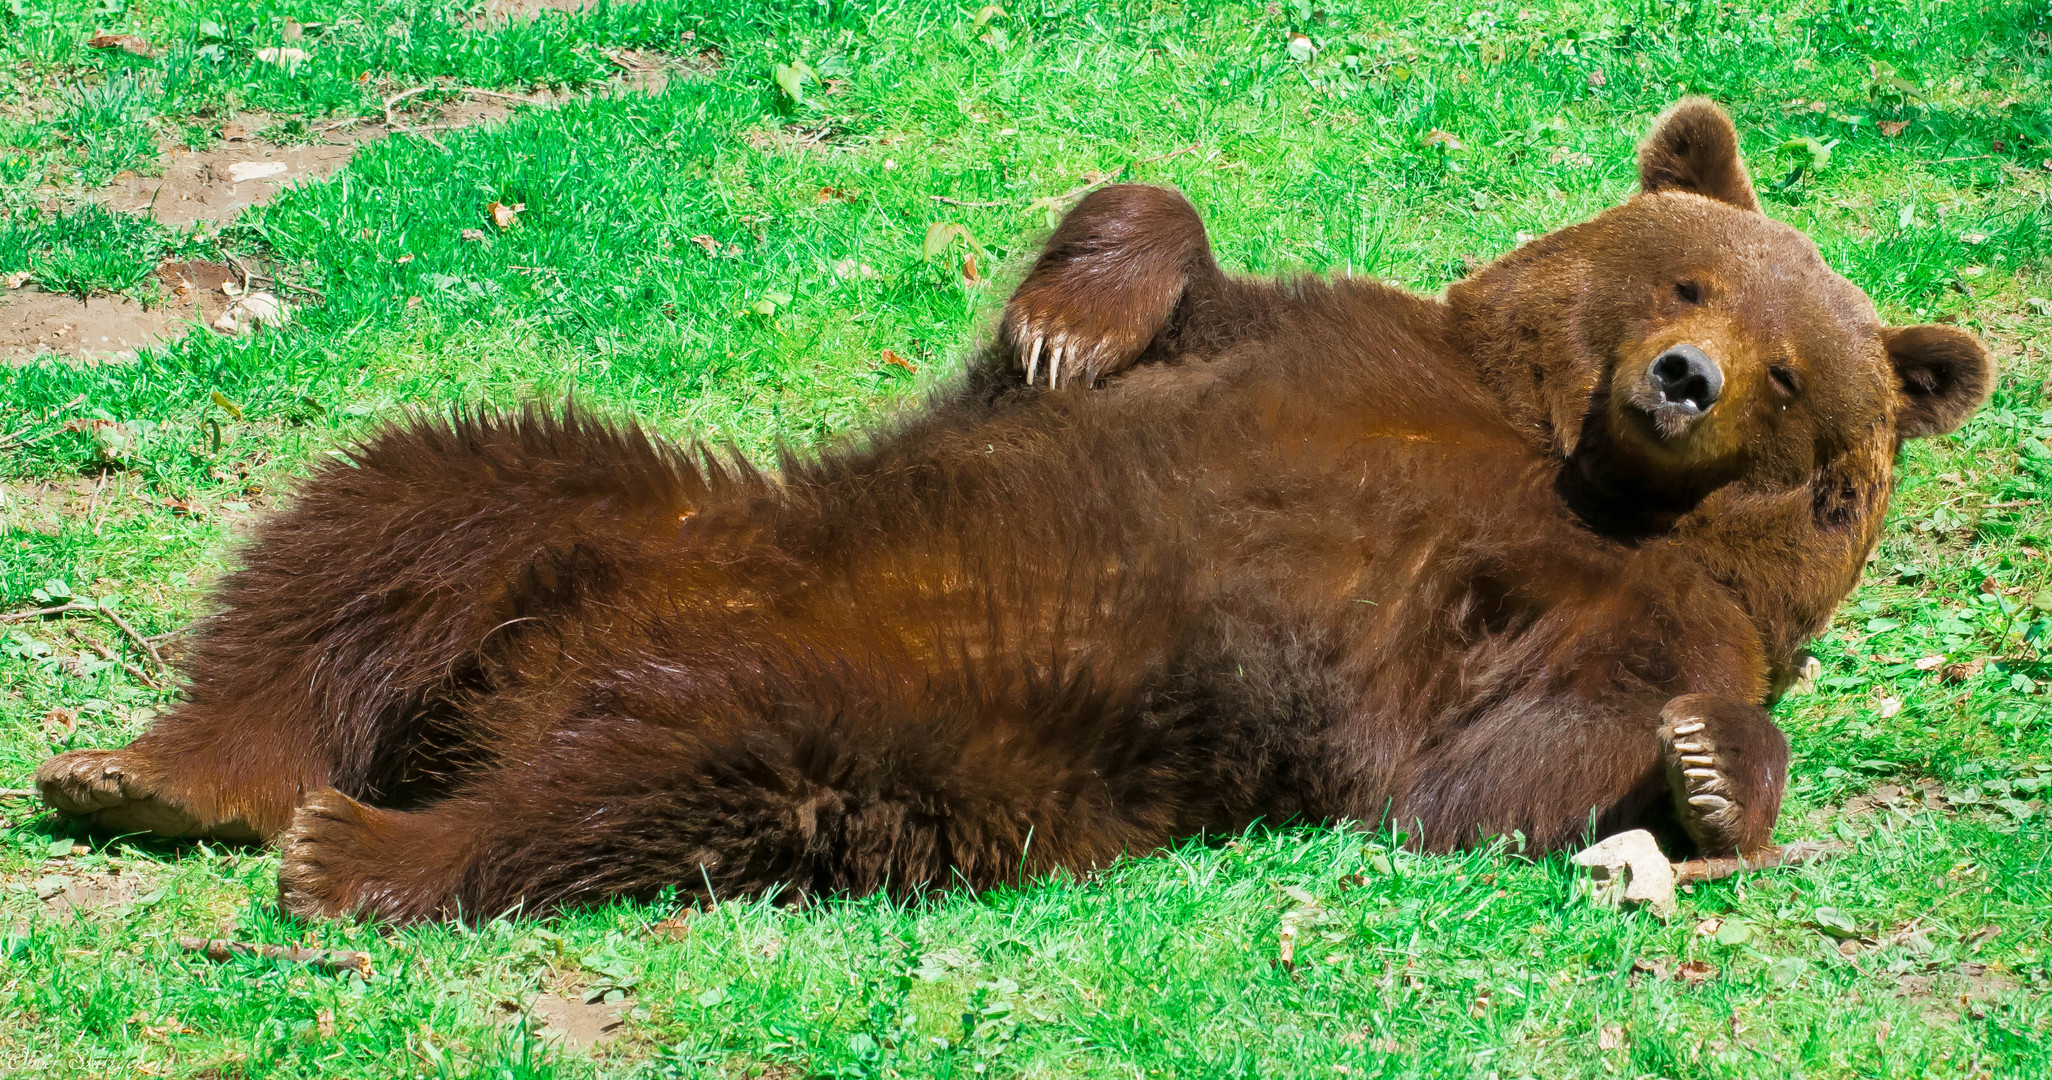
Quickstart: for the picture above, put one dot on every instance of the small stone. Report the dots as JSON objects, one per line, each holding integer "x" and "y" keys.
{"x": 253, "y": 170}
{"x": 1630, "y": 867}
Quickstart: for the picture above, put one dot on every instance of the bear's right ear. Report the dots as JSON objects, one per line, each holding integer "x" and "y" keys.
{"x": 1694, "y": 148}
{"x": 1944, "y": 374}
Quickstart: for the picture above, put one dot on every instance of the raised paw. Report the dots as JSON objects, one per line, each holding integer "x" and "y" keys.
{"x": 1059, "y": 348}
{"x": 340, "y": 857}
{"x": 1727, "y": 766}
{"x": 121, "y": 791}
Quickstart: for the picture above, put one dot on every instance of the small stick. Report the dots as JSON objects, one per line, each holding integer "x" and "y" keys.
{"x": 116, "y": 619}
{"x": 1695, "y": 870}
{"x": 20, "y": 793}
{"x": 332, "y": 961}
{"x": 140, "y": 675}
{"x": 402, "y": 95}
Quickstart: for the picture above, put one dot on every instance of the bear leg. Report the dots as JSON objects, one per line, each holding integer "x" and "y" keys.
{"x": 372, "y": 605}
{"x": 1727, "y": 769}
{"x": 1111, "y": 279}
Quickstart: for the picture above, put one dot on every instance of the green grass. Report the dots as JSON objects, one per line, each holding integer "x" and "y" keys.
{"x": 1474, "y": 965}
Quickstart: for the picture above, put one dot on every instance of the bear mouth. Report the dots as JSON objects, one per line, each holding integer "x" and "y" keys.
{"x": 1672, "y": 420}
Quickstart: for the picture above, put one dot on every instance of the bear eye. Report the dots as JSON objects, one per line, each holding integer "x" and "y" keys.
{"x": 1689, "y": 291}
{"x": 1785, "y": 380}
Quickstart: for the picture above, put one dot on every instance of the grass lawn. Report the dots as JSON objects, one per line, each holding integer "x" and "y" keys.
{"x": 742, "y": 254}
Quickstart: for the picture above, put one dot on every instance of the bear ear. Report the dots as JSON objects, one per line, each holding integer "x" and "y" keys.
{"x": 1945, "y": 376}
{"x": 1694, "y": 148}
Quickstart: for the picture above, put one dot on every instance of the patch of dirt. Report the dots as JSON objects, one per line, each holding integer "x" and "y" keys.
{"x": 42, "y": 507}
{"x": 109, "y": 329}
{"x": 501, "y": 12}
{"x": 573, "y": 1021}
{"x": 1946, "y": 996}
{"x": 214, "y": 185}
{"x": 94, "y": 894}
{"x": 102, "y": 329}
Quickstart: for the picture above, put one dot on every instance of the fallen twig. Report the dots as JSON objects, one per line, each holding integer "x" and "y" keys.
{"x": 137, "y": 673}
{"x": 1695, "y": 870}
{"x": 20, "y": 793}
{"x": 332, "y": 961}
{"x": 402, "y": 95}
{"x": 111, "y": 615}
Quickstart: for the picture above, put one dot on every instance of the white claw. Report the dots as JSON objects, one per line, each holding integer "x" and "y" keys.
{"x": 1700, "y": 774}
{"x": 1690, "y": 748}
{"x": 1698, "y": 759}
{"x": 1033, "y": 358}
{"x": 1688, "y": 727}
{"x": 1054, "y": 368}
{"x": 1712, "y": 803}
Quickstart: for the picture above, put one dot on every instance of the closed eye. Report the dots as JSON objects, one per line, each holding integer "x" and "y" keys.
{"x": 1785, "y": 380}
{"x": 1689, "y": 291}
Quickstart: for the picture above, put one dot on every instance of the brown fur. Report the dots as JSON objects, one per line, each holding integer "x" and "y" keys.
{"x": 1322, "y": 573}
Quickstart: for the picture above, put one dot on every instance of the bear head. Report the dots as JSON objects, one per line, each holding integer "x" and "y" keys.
{"x": 1705, "y": 378}
{"x": 1684, "y": 341}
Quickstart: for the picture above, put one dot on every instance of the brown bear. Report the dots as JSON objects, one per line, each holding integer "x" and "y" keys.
{"x": 496, "y": 662}
{"x": 1127, "y": 288}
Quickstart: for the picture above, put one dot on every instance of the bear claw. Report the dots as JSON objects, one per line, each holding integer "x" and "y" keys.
{"x": 1704, "y": 794}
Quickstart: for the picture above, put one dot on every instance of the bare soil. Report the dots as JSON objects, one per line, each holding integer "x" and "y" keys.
{"x": 95, "y": 894}
{"x": 104, "y": 328}
{"x": 576, "y": 1022}
{"x": 109, "y": 329}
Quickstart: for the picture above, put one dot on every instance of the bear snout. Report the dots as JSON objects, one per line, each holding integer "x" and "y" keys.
{"x": 1685, "y": 383}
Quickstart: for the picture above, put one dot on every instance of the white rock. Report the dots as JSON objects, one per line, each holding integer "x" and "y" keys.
{"x": 1630, "y": 867}
{"x": 253, "y": 170}
{"x": 265, "y": 308}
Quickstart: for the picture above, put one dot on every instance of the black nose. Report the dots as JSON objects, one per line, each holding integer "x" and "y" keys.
{"x": 1686, "y": 377}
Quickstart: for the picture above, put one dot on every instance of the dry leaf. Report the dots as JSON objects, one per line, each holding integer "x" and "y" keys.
{"x": 504, "y": 216}
{"x": 711, "y": 246}
{"x": 1695, "y": 973}
{"x": 287, "y": 55}
{"x": 404, "y": 259}
{"x": 895, "y": 360}
{"x": 1891, "y": 128}
{"x": 676, "y": 928}
{"x": 473, "y": 235}
{"x": 1436, "y": 137}
{"x": 1610, "y": 1038}
{"x": 969, "y": 273}
{"x": 1596, "y": 80}
{"x": 233, "y": 132}
{"x": 1890, "y": 706}
{"x": 127, "y": 43}
{"x": 1286, "y": 949}
{"x": 16, "y": 279}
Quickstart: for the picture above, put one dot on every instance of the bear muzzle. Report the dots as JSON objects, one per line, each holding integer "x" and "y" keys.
{"x": 1682, "y": 384}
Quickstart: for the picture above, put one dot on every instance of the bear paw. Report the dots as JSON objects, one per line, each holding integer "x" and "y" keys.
{"x": 340, "y": 857}
{"x": 118, "y": 790}
{"x": 1727, "y": 766}
{"x": 1067, "y": 353}
{"x": 1705, "y": 797}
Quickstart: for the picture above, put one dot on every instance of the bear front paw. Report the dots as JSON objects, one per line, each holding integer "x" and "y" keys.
{"x": 1726, "y": 767}
{"x": 120, "y": 791}
{"x": 1056, "y": 348}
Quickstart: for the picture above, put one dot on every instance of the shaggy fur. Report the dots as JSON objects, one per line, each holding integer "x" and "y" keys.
{"x": 1319, "y": 572}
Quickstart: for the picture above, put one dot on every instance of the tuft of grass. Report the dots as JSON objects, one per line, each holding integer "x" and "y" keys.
{"x": 730, "y": 258}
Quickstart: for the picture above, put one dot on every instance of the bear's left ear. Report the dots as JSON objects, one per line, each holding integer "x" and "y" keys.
{"x": 1694, "y": 148}
{"x": 1945, "y": 376}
